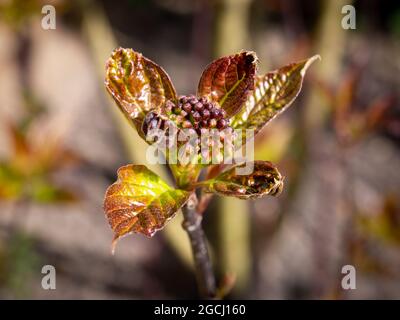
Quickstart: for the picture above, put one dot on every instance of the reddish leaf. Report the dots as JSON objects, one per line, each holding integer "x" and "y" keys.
{"x": 229, "y": 80}
{"x": 264, "y": 180}
{"x": 140, "y": 201}
{"x": 273, "y": 93}
{"x": 137, "y": 84}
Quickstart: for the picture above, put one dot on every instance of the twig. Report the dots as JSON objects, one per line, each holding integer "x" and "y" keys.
{"x": 204, "y": 272}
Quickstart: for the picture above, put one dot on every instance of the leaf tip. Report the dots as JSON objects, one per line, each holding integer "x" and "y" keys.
{"x": 278, "y": 188}
{"x": 309, "y": 62}
{"x": 114, "y": 244}
{"x": 251, "y": 56}
{"x": 316, "y": 57}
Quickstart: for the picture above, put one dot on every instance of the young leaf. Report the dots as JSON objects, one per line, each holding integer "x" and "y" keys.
{"x": 137, "y": 84}
{"x": 141, "y": 202}
{"x": 273, "y": 93}
{"x": 264, "y": 180}
{"x": 229, "y": 80}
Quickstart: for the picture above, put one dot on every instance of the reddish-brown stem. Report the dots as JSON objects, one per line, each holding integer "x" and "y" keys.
{"x": 203, "y": 267}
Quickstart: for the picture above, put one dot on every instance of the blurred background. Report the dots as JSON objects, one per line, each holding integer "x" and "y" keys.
{"x": 62, "y": 140}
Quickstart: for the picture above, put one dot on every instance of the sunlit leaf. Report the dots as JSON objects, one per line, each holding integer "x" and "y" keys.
{"x": 273, "y": 93}
{"x": 137, "y": 84}
{"x": 229, "y": 80}
{"x": 185, "y": 174}
{"x": 264, "y": 180}
{"x": 141, "y": 202}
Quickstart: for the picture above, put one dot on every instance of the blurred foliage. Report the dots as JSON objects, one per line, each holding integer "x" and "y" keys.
{"x": 395, "y": 23}
{"x": 17, "y": 13}
{"x": 352, "y": 122}
{"x": 273, "y": 142}
{"x": 18, "y": 265}
{"x": 385, "y": 224}
{"x": 27, "y": 172}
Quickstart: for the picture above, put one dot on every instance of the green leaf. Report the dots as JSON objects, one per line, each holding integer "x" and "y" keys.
{"x": 15, "y": 185}
{"x": 11, "y": 182}
{"x": 264, "y": 180}
{"x": 45, "y": 192}
{"x": 273, "y": 93}
{"x": 141, "y": 202}
{"x": 137, "y": 84}
{"x": 185, "y": 175}
{"x": 229, "y": 80}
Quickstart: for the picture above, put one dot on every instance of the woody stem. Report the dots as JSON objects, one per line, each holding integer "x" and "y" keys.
{"x": 204, "y": 272}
